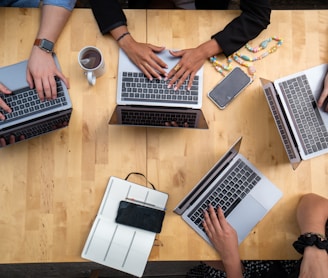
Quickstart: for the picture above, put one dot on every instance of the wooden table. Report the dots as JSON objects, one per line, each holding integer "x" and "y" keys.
{"x": 51, "y": 186}
{"x": 178, "y": 159}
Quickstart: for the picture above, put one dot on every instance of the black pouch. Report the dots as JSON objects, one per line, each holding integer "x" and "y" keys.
{"x": 140, "y": 216}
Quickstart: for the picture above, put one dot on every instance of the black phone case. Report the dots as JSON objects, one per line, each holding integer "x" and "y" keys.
{"x": 139, "y": 216}
{"x": 229, "y": 88}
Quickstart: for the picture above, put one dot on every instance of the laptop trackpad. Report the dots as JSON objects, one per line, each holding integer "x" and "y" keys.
{"x": 245, "y": 216}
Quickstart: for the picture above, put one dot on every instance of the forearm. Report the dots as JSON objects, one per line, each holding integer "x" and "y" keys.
{"x": 53, "y": 20}
{"x": 118, "y": 32}
{"x": 123, "y": 38}
{"x": 210, "y": 48}
{"x": 254, "y": 18}
{"x": 312, "y": 214}
{"x": 233, "y": 268}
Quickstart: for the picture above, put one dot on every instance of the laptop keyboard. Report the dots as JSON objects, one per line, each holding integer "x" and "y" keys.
{"x": 25, "y": 102}
{"x": 309, "y": 124}
{"x": 228, "y": 193}
{"x": 137, "y": 87}
{"x": 40, "y": 127}
{"x": 156, "y": 118}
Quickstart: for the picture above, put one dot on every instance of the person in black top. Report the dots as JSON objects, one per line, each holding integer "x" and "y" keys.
{"x": 111, "y": 19}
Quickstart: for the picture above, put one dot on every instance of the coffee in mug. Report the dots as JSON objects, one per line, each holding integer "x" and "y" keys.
{"x": 91, "y": 61}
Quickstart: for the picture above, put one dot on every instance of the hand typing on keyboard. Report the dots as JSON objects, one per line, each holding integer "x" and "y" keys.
{"x": 3, "y": 105}
{"x": 41, "y": 72}
{"x": 175, "y": 124}
{"x": 323, "y": 100}
{"x": 141, "y": 54}
{"x": 191, "y": 61}
{"x": 12, "y": 140}
{"x": 311, "y": 214}
{"x": 224, "y": 239}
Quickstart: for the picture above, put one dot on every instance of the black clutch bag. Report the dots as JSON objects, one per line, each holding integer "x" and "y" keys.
{"x": 140, "y": 216}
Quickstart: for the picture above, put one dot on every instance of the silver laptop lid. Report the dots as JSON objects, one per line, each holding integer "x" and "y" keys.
{"x": 125, "y": 65}
{"x": 14, "y": 76}
{"x": 160, "y": 117}
{"x": 281, "y": 121}
{"x": 206, "y": 181}
{"x": 314, "y": 77}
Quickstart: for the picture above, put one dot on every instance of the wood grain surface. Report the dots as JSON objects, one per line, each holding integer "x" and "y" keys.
{"x": 51, "y": 186}
{"x": 177, "y": 160}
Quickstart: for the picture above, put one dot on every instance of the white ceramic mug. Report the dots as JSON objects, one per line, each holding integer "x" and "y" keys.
{"x": 92, "y": 62}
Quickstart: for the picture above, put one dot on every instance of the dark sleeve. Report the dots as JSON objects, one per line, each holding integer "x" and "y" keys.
{"x": 108, "y": 14}
{"x": 254, "y": 18}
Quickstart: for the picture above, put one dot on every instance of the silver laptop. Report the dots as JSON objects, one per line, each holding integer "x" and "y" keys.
{"x": 243, "y": 192}
{"x": 303, "y": 127}
{"x": 133, "y": 88}
{"x": 31, "y": 117}
{"x": 146, "y": 103}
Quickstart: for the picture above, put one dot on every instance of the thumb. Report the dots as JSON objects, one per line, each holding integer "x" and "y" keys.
{"x": 29, "y": 79}
{"x": 156, "y": 48}
{"x": 177, "y": 53}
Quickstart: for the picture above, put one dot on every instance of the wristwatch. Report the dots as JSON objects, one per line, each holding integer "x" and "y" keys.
{"x": 45, "y": 45}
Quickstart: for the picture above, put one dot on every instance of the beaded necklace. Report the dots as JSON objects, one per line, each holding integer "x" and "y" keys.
{"x": 245, "y": 60}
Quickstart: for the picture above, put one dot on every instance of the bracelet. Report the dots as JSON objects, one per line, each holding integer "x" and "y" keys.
{"x": 122, "y": 36}
{"x": 310, "y": 239}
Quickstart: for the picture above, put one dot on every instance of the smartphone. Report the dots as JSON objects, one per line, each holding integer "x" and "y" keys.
{"x": 230, "y": 87}
{"x": 140, "y": 216}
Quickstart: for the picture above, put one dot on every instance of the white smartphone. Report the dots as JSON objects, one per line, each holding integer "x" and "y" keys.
{"x": 229, "y": 87}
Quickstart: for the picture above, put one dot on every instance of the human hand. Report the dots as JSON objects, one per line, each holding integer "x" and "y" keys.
{"x": 41, "y": 72}
{"x": 12, "y": 140}
{"x": 3, "y": 105}
{"x": 314, "y": 263}
{"x": 324, "y": 94}
{"x": 144, "y": 57}
{"x": 191, "y": 61}
{"x": 221, "y": 233}
{"x": 224, "y": 239}
{"x": 175, "y": 124}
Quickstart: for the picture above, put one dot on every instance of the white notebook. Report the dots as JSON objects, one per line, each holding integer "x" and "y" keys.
{"x": 119, "y": 246}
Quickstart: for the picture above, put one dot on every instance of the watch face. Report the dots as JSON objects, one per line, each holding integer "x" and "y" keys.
{"x": 47, "y": 45}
